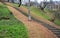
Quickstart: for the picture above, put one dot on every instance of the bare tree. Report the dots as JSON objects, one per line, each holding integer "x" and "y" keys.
{"x": 53, "y": 16}
{"x": 43, "y": 5}
{"x": 56, "y": 15}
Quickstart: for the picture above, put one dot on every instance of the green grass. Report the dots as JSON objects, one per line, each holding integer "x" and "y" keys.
{"x": 57, "y": 21}
{"x": 38, "y": 12}
{"x": 14, "y": 4}
{"x": 3, "y": 10}
{"x": 11, "y": 28}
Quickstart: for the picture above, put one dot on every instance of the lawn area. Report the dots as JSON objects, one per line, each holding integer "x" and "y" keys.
{"x": 14, "y": 4}
{"x": 57, "y": 22}
{"x": 11, "y": 28}
{"x": 38, "y": 12}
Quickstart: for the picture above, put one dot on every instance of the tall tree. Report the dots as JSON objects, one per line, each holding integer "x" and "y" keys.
{"x": 19, "y": 3}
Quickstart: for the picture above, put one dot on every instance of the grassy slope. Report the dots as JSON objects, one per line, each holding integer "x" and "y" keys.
{"x": 38, "y": 12}
{"x": 11, "y": 28}
{"x": 57, "y": 21}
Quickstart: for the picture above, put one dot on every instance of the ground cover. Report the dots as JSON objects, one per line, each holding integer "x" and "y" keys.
{"x": 10, "y": 28}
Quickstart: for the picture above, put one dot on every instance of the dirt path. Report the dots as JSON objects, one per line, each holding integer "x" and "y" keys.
{"x": 35, "y": 30}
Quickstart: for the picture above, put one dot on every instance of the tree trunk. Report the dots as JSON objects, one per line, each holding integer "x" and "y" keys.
{"x": 19, "y": 3}
{"x": 8, "y": 0}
